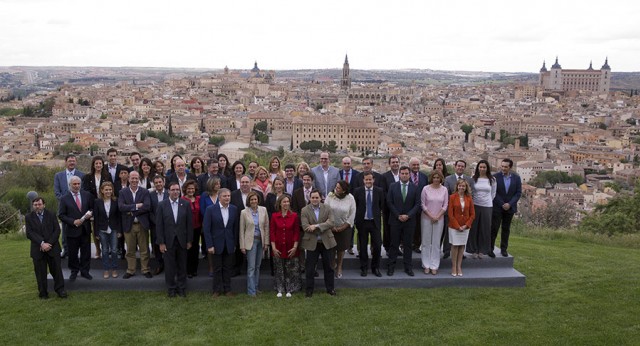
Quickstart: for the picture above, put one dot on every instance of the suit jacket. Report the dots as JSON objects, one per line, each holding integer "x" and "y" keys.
{"x": 353, "y": 174}
{"x": 378, "y": 180}
{"x": 319, "y": 182}
{"x": 423, "y": 180}
{"x": 89, "y": 183}
{"x": 297, "y": 200}
{"x": 128, "y": 211}
{"x": 153, "y": 198}
{"x": 451, "y": 180}
{"x": 239, "y": 202}
{"x": 167, "y": 229}
{"x": 68, "y": 212}
{"x": 116, "y": 180}
{"x": 102, "y": 220}
{"x": 458, "y": 216}
{"x": 377, "y": 205}
{"x": 204, "y": 178}
{"x": 512, "y": 196}
{"x": 216, "y": 234}
{"x": 247, "y": 228}
{"x": 324, "y": 223}
{"x": 173, "y": 178}
{"x": 410, "y": 206}
{"x": 60, "y": 185}
{"x": 47, "y": 231}
{"x": 297, "y": 183}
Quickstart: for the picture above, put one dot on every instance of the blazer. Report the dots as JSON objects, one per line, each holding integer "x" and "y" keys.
{"x": 204, "y": 178}
{"x": 319, "y": 182}
{"x": 324, "y": 223}
{"x": 102, "y": 220}
{"x": 247, "y": 228}
{"x": 297, "y": 200}
{"x": 378, "y": 180}
{"x": 377, "y": 205}
{"x": 68, "y": 212}
{"x": 119, "y": 167}
{"x": 353, "y": 175}
{"x": 410, "y": 206}
{"x": 457, "y": 216}
{"x": 153, "y": 197}
{"x": 512, "y": 196}
{"x": 451, "y": 180}
{"x": 239, "y": 202}
{"x": 167, "y": 229}
{"x": 216, "y": 234}
{"x": 173, "y": 178}
{"x": 89, "y": 183}
{"x": 297, "y": 183}
{"x": 128, "y": 211}
{"x": 423, "y": 180}
{"x": 47, "y": 231}
{"x": 284, "y": 232}
{"x": 60, "y": 185}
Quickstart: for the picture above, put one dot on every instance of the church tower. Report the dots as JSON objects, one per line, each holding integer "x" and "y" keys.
{"x": 346, "y": 78}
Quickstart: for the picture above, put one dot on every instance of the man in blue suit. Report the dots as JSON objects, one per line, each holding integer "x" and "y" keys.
{"x": 220, "y": 228}
{"x": 403, "y": 200}
{"x": 60, "y": 188}
{"x": 75, "y": 211}
{"x": 505, "y": 205}
{"x": 135, "y": 206}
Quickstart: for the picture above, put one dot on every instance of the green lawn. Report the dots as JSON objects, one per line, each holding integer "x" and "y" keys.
{"x": 576, "y": 294}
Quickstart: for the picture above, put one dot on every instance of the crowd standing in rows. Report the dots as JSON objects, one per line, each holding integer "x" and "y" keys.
{"x": 292, "y": 214}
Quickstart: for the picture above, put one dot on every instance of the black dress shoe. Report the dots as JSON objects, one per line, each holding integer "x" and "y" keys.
{"x": 363, "y": 272}
{"x": 390, "y": 271}
{"x": 308, "y": 294}
{"x": 331, "y": 292}
{"x": 376, "y": 272}
{"x": 446, "y": 255}
{"x": 158, "y": 270}
{"x": 148, "y": 275}
{"x": 43, "y": 296}
{"x": 491, "y": 254}
{"x": 316, "y": 274}
{"x": 417, "y": 250}
{"x": 86, "y": 276}
{"x": 189, "y": 276}
{"x": 182, "y": 294}
{"x": 73, "y": 276}
{"x": 409, "y": 272}
{"x": 127, "y": 276}
{"x": 504, "y": 253}
{"x": 63, "y": 294}
{"x": 171, "y": 294}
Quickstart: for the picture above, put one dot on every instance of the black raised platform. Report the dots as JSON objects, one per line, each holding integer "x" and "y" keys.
{"x": 486, "y": 272}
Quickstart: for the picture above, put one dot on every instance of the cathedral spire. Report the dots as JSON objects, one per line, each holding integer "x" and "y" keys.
{"x": 346, "y": 76}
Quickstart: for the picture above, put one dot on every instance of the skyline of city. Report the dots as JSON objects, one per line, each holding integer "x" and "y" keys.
{"x": 498, "y": 36}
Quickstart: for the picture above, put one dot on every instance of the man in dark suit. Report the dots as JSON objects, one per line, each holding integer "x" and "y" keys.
{"x": 43, "y": 230}
{"x": 367, "y": 166}
{"x": 212, "y": 171}
{"x": 403, "y": 200}
{"x": 174, "y": 236}
{"x": 369, "y": 204}
{"x": 450, "y": 183}
{"x": 135, "y": 158}
{"x": 419, "y": 180}
{"x": 391, "y": 176}
{"x": 220, "y": 228}
{"x": 291, "y": 182}
{"x": 300, "y": 197}
{"x": 181, "y": 175}
{"x": 156, "y": 196}
{"x": 61, "y": 187}
{"x": 75, "y": 210}
{"x": 113, "y": 167}
{"x": 135, "y": 205}
{"x": 347, "y": 173}
{"x": 505, "y": 205}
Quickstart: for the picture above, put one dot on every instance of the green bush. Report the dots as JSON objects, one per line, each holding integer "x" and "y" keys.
{"x": 9, "y": 219}
{"x": 17, "y": 198}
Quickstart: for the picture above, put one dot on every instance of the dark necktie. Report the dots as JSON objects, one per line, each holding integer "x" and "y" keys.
{"x": 346, "y": 176}
{"x": 40, "y": 216}
{"x": 369, "y": 205}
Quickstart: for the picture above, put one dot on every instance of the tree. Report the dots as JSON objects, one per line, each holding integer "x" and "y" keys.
{"x": 262, "y": 138}
{"x": 260, "y": 127}
{"x": 554, "y": 177}
{"x": 312, "y": 145}
{"x": 493, "y": 136}
{"x": 619, "y": 216}
{"x": 602, "y": 126}
{"x": 466, "y": 128}
{"x": 524, "y": 140}
{"x": 353, "y": 146}
{"x": 559, "y": 213}
{"x": 332, "y": 146}
{"x": 216, "y": 140}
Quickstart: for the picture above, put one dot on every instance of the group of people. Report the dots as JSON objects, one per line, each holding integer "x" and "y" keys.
{"x": 234, "y": 213}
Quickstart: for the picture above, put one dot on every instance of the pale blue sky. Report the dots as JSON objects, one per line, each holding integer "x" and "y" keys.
{"x": 508, "y": 36}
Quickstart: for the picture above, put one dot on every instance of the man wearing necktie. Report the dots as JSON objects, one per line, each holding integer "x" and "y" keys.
{"x": 75, "y": 211}
{"x": 347, "y": 173}
{"x": 369, "y": 205}
{"x": 43, "y": 230}
{"x": 61, "y": 187}
{"x": 403, "y": 201}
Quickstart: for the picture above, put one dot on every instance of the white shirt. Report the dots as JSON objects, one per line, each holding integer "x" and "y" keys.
{"x": 107, "y": 208}
{"x": 225, "y": 214}
{"x": 174, "y": 208}
{"x": 485, "y": 193}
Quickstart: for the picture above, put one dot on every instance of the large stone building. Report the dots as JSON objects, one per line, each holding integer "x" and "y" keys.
{"x": 362, "y": 132}
{"x": 561, "y": 80}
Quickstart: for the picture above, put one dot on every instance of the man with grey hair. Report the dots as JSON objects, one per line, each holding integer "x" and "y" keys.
{"x": 135, "y": 206}
{"x": 75, "y": 211}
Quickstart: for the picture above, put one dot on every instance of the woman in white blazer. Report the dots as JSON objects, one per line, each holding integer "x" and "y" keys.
{"x": 254, "y": 239}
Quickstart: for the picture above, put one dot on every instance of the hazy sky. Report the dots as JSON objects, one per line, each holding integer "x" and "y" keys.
{"x": 473, "y": 35}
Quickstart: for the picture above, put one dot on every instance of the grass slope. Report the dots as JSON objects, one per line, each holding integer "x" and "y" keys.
{"x": 576, "y": 294}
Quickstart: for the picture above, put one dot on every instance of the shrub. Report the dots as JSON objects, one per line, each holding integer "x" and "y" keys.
{"x": 9, "y": 218}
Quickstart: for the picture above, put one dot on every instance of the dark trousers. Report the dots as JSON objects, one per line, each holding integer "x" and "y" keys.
{"x": 222, "y": 264}
{"x": 55, "y": 268}
{"x": 83, "y": 244}
{"x": 480, "y": 233}
{"x": 310, "y": 267}
{"x": 193, "y": 253}
{"x": 175, "y": 267}
{"x": 500, "y": 218}
{"x": 444, "y": 240}
{"x": 368, "y": 228}
{"x": 402, "y": 232}
{"x": 386, "y": 232}
{"x": 121, "y": 249}
{"x": 155, "y": 247}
